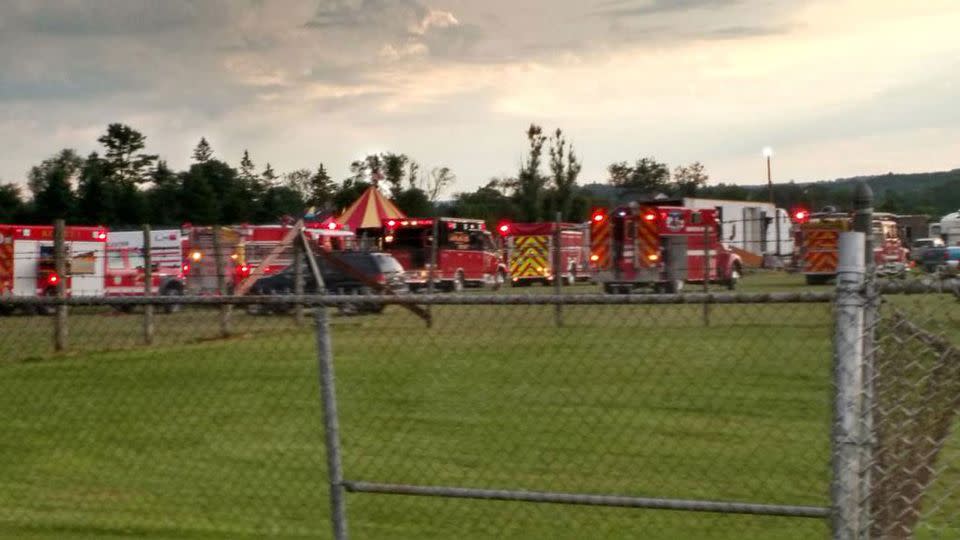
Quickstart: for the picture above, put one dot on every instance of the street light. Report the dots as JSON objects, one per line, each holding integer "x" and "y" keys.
{"x": 768, "y": 153}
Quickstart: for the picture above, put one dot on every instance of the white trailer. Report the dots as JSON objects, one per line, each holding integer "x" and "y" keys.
{"x": 947, "y": 229}
{"x": 749, "y": 225}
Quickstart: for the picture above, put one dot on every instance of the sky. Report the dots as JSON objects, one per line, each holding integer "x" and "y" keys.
{"x": 836, "y": 87}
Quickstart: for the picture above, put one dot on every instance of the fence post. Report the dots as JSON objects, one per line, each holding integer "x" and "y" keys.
{"x": 221, "y": 283}
{"x": 147, "y": 285}
{"x": 847, "y": 437}
{"x": 298, "y": 249}
{"x": 331, "y": 424}
{"x": 706, "y": 274}
{"x": 863, "y": 222}
{"x": 60, "y": 334}
{"x": 431, "y": 274}
{"x": 557, "y": 270}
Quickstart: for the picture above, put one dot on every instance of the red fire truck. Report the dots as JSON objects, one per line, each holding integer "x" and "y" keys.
{"x": 662, "y": 247}
{"x": 817, "y": 237}
{"x": 27, "y": 266}
{"x": 466, "y": 254}
{"x": 529, "y": 251}
{"x": 258, "y": 241}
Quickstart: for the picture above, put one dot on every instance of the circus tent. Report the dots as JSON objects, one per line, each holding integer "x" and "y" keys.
{"x": 370, "y": 211}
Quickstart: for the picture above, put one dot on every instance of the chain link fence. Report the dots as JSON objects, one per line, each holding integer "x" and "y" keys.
{"x": 506, "y": 416}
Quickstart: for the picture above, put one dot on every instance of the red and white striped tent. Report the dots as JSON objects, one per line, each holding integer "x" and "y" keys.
{"x": 371, "y": 211}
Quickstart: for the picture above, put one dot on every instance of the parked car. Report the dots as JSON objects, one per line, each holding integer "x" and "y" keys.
{"x": 941, "y": 259}
{"x": 921, "y": 245}
{"x": 342, "y": 278}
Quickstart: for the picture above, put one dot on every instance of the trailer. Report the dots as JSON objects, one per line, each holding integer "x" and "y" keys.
{"x": 659, "y": 247}
{"x": 529, "y": 252}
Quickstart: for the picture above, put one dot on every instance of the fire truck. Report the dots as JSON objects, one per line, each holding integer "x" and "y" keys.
{"x": 166, "y": 247}
{"x": 27, "y": 266}
{"x": 258, "y": 241}
{"x": 466, "y": 254}
{"x": 529, "y": 251}
{"x": 660, "y": 247}
{"x": 817, "y": 238}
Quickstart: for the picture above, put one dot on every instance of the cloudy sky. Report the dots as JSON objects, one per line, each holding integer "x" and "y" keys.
{"x": 836, "y": 87}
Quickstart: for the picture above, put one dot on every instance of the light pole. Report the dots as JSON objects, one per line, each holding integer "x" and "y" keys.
{"x": 768, "y": 153}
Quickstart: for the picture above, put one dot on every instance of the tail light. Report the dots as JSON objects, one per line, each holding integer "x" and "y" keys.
{"x": 381, "y": 279}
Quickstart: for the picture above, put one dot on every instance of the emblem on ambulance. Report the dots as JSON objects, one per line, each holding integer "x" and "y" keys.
{"x": 675, "y": 220}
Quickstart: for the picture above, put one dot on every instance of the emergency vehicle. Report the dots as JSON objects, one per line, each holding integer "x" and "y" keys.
{"x": 661, "y": 247}
{"x": 27, "y": 266}
{"x": 466, "y": 254}
{"x": 529, "y": 251}
{"x": 166, "y": 247}
{"x": 817, "y": 240}
{"x": 200, "y": 263}
{"x": 259, "y": 241}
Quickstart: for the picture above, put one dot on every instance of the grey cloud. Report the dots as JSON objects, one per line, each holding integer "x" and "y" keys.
{"x": 340, "y": 14}
{"x": 633, "y": 8}
{"x": 115, "y": 17}
{"x": 740, "y": 32}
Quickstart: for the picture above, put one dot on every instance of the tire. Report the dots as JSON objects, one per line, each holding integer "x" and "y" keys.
{"x": 5, "y": 310}
{"x": 674, "y": 286}
{"x": 816, "y": 279}
{"x": 457, "y": 285}
{"x": 734, "y": 278}
{"x": 171, "y": 290}
{"x": 47, "y": 310}
{"x": 499, "y": 279}
{"x": 127, "y": 309}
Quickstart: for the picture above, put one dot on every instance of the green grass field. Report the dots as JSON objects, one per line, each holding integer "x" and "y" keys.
{"x": 200, "y": 437}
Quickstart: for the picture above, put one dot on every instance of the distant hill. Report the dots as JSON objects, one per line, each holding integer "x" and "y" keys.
{"x": 932, "y": 193}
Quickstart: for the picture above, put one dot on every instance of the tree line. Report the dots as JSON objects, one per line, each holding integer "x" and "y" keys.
{"x": 125, "y": 185}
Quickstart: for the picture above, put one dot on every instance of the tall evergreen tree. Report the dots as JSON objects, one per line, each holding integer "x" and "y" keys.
{"x": 124, "y": 157}
{"x": 530, "y": 182}
{"x": 12, "y": 206}
{"x": 269, "y": 176}
{"x": 322, "y": 189}
{"x": 203, "y": 151}
{"x": 163, "y": 199}
{"x": 96, "y": 193}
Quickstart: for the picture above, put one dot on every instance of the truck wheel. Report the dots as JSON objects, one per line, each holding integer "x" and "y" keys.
{"x": 734, "y": 278}
{"x": 816, "y": 279}
{"x": 171, "y": 290}
{"x": 6, "y": 309}
{"x": 499, "y": 279}
{"x": 675, "y": 286}
{"x": 47, "y": 310}
{"x": 457, "y": 285}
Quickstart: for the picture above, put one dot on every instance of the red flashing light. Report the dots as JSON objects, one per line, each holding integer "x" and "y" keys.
{"x": 392, "y": 223}
{"x": 186, "y": 268}
{"x": 451, "y": 225}
{"x": 504, "y": 229}
{"x": 800, "y": 215}
{"x": 101, "y": 235}
{"x": 333, "y": 226}
{"x": 650, "y": 216}
{"x": 52, "y": 279}
{"x": 599, "y": 216}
